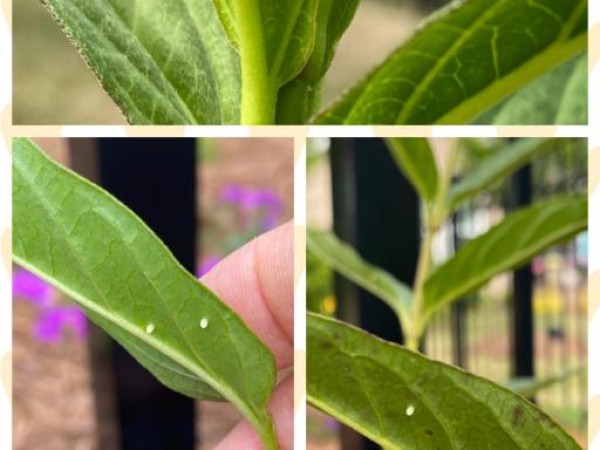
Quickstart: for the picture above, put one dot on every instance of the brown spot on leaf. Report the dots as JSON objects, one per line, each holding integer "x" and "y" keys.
{"x": 517, "y": 415}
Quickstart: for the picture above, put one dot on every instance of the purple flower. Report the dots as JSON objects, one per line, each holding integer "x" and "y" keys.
{"x": 29, "y": 287}
{"x": 207, "y": 263}
{"x": 331, "y": 424}
{"x": 255, "y": 200}
{"x": 53, "y": 323}
{"x": 274, "y": 208}
{"x": 53, "y": 319}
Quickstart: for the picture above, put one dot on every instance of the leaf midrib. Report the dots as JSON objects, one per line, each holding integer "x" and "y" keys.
{"x": 338, "y": 413}
{"x": 500, "y": 88}
{"x": 399, "y": 303}
{"x": 569, "y": 24}
{"x": 422, "y": 87}
{"x": 195, "y": 367}
{"x": 107, "y": 312}
{"x": 557, "y": 50}
{"x": 418, "y": 92}
{"x": 515, "y": 259}
{"x": 358, "y": 426}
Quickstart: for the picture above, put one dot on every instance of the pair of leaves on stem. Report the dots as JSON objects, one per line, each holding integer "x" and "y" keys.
{"x": 511, "y": 243}
{"x": 401, "y": 399}
{"x": 297, "y": 35}
{"x": 86, "y": 243}
{"x": 177, "y": 63}
{"x": 515, "y": 240}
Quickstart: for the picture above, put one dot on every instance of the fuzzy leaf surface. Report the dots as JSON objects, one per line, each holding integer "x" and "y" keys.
{"x": 402, "y": 400}
{"x": 344, "y": 259}
{"x": 161, "y": 62}
{"x": 86, "y": 243}
{"x": 515, "y": 240}
{"x": 464, "y": 60}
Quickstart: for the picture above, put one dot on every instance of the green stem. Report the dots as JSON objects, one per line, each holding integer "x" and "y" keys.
{"x": 258, "y": 89}
{"x": 413, "y": 339}
{"x": 268, "y": 436}
{"x": 297, "y": 101}
{"x": 435, "y": 217}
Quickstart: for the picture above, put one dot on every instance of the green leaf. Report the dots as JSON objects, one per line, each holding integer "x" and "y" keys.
{"x": 299, "y": 99}
{"x": 402, "y": 400}
{"x": 415, "y": 159}
{"x": 86, "y": 243}
{"x": 332, "y": 19}
{"x": 285, "y": 29}
{"x": 162, "y": 62}
{"x": 495, "y": 167}
{"x": 345, "y": 260}
{"x": 559, "y": 97}
{"x": 515, "y": 240}
{"x": 465, "y": 60}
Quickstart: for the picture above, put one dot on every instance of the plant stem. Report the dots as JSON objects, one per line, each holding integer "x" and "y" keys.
{"x": 258, "y": 89}
{"x": 413, "y": 339}
{"x": 268, "y": 436}
{"x": 297, "y": 101}
{"x": 435, "y": 216}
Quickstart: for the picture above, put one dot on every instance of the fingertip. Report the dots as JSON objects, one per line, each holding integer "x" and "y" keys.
{"x": 281, "y": 407}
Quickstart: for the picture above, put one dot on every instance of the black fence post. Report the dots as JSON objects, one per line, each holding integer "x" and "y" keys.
{"x": 156, "y": 179}
{"x": 377, "y": 211}
{"x": 459, "y": 308}
{"x": 523, "y": 331}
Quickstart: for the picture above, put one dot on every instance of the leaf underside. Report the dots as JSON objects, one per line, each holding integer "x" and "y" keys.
{"x": 178, "y": 62}
{"x": 515, "y": 240}
{"x": 89, "y": 245}
{"x": 344, "y": 259}
{"x": 494, "y": 167}
{"x": 402, "y": 400}
{"x": 161, "y": 62}
{"x": 465, "y": 60}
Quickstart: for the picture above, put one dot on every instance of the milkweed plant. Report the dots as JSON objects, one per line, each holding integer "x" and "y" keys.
{"x": 393, "y": 394}
{"x": 255, "y": 210}
{"x": 73, "y": 235}
{"x": 257, "y": 62}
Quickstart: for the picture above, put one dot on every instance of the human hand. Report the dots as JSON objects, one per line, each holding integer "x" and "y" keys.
{"x": 257, "y": 281}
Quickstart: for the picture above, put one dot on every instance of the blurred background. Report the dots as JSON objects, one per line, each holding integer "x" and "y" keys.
{"x": 52, "y": 84}
{"x": 66, "y": 390}
{"x": 508, "y": 329}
